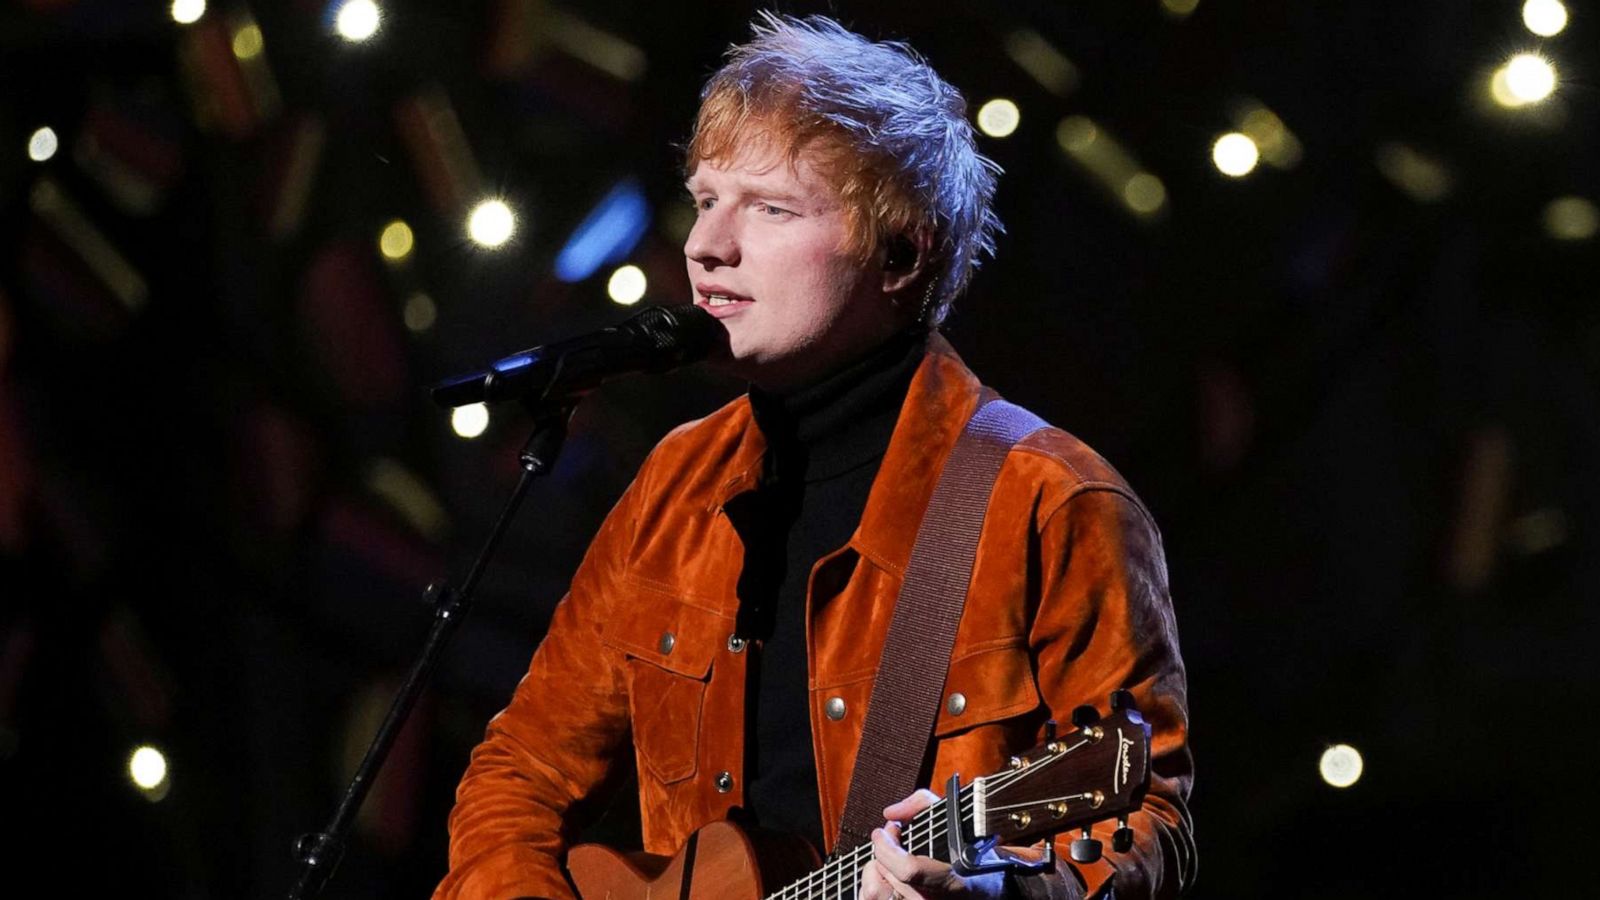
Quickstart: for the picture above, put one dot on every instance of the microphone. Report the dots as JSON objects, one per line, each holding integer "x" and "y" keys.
{"x": 659, "y": 338}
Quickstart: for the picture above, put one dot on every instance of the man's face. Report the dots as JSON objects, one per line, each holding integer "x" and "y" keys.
{"x": 767, "y": 257}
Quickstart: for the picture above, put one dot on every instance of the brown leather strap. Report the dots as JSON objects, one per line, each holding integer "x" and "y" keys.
{"x": 916, "y": 654}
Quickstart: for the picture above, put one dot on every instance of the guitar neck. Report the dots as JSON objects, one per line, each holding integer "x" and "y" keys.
{"x": 927, "y": 834}
{"x": 1099, "y": 770}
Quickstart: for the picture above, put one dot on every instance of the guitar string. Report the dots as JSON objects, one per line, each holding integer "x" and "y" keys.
{"x": 843, "y": 871}
{"x": 844, "y": 874}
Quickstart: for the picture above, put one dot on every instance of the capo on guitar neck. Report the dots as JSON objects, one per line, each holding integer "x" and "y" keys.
{"x": 974, "y": 856}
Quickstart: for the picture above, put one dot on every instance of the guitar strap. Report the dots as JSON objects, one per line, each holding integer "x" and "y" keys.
{"x": 907, "y": 693}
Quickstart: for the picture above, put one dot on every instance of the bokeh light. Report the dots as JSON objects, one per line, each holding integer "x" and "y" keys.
{"x": 1235, "y": 155}
{"x": 1420, "y": 175}
{"x": 188, "y": 12}
{"x": 470, "y": 421}
{"x": 627, "y": 285}
{"x": 491, "y": 223}
{"x": 420, "y": 312}
{"x": 396, "y": 242}
{"x": 1571, "y": 219}
{"x": 43, "y": 144}
{"x": 148, "y": 768}
{"x": 1076, "y": 134}
{"x": 357, "y": 20}
{"x": 1145, "y": 194}
{"x": 1525, "y": 79}
{"x": 1180, "y": 8}
{"x": 1340, "y": 765}
{"x": 247, "y": 42}
{"x": 1546, "y": 18}
{"x": 999, "y": 117}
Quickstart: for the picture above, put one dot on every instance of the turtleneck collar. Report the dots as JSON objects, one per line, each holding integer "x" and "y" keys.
{"x": 844, "y": 419}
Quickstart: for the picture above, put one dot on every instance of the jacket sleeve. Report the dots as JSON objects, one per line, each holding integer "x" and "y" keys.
{"x": 1105, "y": 622}
{"x": 551, "y": 746}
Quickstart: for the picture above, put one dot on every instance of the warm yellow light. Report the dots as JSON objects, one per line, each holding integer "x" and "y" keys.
{"x": 396, "y": 242}
{"x": 187, "y": 12}
{"x": 1038, "y": 57}
{"x": 491, "y": 223}
{"x": 1571, "y": 219}
{"x": 1277, "y": 144}
{"x": 1545, "y": 18}
{"x": 999, "y": 118}
{"x": 43, "y": 144}
{"x": 1145, "y": 194}
{"x": 1526, "y": 79}
{"x": 420, "y": 312}
{"x": 627, "y": 285}
{"x": 357, "y": 20}
{"x": 1076, "y": 134}
{"x": 471, "y": 420}
{"x": 1235, "y": 155}
{"x": 1179, "y": 8}
{"x": 148, "y": 768}
{"x": 1340, "y": 765}
{"x": 1420, "y": 175}
{"x": 247, "y": 43}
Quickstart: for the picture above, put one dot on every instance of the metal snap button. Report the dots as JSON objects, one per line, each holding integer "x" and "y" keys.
{"x": 834, "y": 708}
{"x": 667, "y": 643}
{"x": 736, "y": 644}
{"x": 724, "y": 782}
{"x": 957, "y": 703}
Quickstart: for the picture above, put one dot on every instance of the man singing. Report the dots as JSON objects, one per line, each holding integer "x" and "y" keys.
{"x": 727, "y": 622}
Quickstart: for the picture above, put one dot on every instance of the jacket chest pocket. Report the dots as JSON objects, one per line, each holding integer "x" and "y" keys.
{"x": 669, "y": 646}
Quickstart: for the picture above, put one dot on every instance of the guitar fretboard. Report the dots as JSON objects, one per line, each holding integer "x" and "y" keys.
{"x": 927, "y": 834}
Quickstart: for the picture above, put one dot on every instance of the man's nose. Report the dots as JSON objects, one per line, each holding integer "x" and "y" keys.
{"x": 712, "y": 242}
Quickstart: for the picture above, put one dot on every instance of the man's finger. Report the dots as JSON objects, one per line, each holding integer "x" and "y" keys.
{"x": 910, "y": 806}
{"x": 875, "y": 883}
{"x": 896, "y": 862}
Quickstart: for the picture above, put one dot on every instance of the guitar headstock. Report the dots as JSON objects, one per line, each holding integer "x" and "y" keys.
{"x": 1098, "y": 770}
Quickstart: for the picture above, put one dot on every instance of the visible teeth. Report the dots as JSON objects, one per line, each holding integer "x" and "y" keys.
{"x": 718, "y": 300}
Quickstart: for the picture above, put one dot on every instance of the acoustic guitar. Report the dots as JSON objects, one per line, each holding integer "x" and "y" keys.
{"x": 1099, "y": 770}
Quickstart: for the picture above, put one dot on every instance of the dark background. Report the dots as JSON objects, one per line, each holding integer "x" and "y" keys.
{"x": 1364, "y": 416}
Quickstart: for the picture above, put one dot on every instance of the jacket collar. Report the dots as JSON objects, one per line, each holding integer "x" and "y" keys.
{"x": 942, "y": 397}
{"x": 940, "y": 400}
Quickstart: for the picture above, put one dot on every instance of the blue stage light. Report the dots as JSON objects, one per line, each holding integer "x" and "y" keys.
{"x": 609, "y": 233}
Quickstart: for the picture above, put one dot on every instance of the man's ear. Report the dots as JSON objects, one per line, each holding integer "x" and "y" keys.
{"x": 905, "y": 257}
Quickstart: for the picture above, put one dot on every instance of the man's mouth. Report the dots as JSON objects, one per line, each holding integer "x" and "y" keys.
{"x": 720, "y": 300}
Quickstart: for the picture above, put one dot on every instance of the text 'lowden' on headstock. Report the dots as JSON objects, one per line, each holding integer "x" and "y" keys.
{"x": 1098, "y": 770}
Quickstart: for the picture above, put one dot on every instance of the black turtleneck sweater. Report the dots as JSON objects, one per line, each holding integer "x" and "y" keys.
{"x": 825, "y": 442}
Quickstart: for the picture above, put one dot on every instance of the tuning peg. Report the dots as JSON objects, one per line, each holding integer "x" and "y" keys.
{"x": 1085, "y": 849}
{"x": 1121, "y": 700}
{"x": 1122, "y": 838}
{"x": 1049, "y": 730}
{"x": 1085, "y": 715}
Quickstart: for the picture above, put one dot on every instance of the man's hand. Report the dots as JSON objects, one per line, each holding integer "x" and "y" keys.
{"x": 893, "y": 872}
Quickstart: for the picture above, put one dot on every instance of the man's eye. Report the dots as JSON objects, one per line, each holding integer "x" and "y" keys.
{"x": 773, "y": 211}
{"x": 701, "y": 204}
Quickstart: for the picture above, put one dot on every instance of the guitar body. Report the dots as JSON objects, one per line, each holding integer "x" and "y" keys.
{"x": 719, "y": 862}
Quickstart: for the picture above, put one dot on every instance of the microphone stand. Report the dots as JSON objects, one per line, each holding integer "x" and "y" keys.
{"x": 319, "y": 852}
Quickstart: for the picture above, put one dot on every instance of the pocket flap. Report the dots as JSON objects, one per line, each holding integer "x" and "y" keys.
{"x": 994, "y": 684}
{"x": 653, "y": 624}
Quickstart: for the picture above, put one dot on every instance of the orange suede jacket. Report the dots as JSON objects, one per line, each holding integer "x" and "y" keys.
{"x": 1068, "y": 602}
